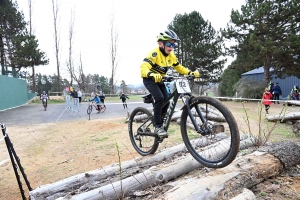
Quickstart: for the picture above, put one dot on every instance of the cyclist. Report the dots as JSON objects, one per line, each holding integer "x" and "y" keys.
{"x": 44, "y": 96}
{"x": 154, "y": 67}
{"x": 102, "y": 97}
{"x": 123, "y": 97}
{"x": 97, "y": 101}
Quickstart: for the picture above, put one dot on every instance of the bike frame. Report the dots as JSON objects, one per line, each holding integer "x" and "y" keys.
{"x": 185, "y": 99}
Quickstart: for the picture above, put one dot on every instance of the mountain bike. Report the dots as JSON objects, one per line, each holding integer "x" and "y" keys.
{"x": 208, "y": 129}
{"x": 94, "y": 104}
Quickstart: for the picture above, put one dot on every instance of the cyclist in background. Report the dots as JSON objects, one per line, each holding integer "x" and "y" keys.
{"x": 102, "y": 97}
{"x": 154, "y": 67}
{"x": 97, "y": 101}
{"x": 44, "y": 96}
{"x": 123, "y": 97}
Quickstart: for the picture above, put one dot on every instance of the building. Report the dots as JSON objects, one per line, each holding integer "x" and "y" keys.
{"x": 285, "y": 84}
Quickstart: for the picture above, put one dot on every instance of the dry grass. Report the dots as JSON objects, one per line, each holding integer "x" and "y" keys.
{"x": 51, "y": 152}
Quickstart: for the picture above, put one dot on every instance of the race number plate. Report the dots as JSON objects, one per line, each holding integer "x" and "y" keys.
{"x": 183, "y": 86}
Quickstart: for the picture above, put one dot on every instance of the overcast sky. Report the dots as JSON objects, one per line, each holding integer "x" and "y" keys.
{"x": 138, "y": 23}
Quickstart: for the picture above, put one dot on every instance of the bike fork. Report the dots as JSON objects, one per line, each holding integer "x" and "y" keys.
{"x": 198, "y": 129}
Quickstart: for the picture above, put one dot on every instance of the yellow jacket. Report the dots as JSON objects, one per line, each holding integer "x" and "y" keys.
{"x": 157, "y": 62}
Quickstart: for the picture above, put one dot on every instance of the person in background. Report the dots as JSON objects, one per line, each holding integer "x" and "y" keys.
{"x": 267, "y": 96}
{"x": 79, "y": 94}
{"x": 276, "y": 93}
{"x": 44, "y": 96}
{"x": 102, "y": 97}
{"x": 295, "y": 92}
{"x": 154, "y": 66}
{"x": 123, "y": 97}
{"x": 271, "y": 88}
{"x": 97, "y": 101}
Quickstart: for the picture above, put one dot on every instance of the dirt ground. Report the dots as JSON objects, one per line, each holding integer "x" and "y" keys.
{"x": 51, "y": 152}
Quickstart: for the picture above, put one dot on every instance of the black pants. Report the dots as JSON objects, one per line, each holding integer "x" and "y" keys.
{"x": 276, "y": 97}
{"x": 124, "y": 103}
{"x": 159, "y": 93}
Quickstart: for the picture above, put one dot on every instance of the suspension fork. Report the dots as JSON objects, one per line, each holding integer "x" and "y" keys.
{"x": 198, "y": 129}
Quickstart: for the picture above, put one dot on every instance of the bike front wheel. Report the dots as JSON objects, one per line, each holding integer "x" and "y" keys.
{"x": 217, "y": 144}
{"x": 89, "y": 110}
{"x": 141, "y": 131}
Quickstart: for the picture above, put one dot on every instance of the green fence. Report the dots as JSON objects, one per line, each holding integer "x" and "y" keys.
{"x": 13, "y": 92}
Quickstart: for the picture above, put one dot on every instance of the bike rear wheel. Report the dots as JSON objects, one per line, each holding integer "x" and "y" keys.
{"x": 220, "y": 145}
{"x": 89, "y": 110}
{"x": 142, "y": 120}
{"x": 102, "y": 108}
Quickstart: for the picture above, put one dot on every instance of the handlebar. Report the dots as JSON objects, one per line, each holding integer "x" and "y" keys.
{"x": 172, "y": 78}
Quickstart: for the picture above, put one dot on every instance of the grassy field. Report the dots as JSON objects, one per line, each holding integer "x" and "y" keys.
{"x": 54, "y": 151}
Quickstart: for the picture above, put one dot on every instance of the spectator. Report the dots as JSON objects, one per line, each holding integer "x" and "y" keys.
{"x": 295, "y": 92}
{"x": 267, "y": 96}
{"x": 276, "y": 93}
{"x": 75, "y": 94}
{"x": 123, "y": 97}
{"x": 79, "y": 94}
{"x": 271, "y": 88}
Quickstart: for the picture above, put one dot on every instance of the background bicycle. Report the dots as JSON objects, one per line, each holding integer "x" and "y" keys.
{"x": 92, "y": 104}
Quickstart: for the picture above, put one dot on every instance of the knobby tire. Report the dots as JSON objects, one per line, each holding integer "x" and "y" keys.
{"x": 144, "y": 145}
{"x": 89, "y": 110}
{"x": 210, "y": 150}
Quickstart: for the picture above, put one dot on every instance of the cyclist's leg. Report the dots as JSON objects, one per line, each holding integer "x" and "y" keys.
{"x": 166, "y": 95}
{"x": 158, "y": 96}
{"x": 123, "y": 101}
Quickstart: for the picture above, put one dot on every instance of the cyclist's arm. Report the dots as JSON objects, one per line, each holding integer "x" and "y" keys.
{"x": 147, "y": 64}
{"x": 177, "y": 66}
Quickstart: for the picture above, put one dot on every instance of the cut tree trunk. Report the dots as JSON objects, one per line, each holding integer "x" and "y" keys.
{"x": 296, "y": 128}
{"x": 293, "y": 102}
{"x": 89, "y": 180}
{"x": 284, "y": 118}
{"x": 244, "y": 172}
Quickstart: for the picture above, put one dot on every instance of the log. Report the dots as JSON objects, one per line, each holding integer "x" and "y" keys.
{"x": 244, "y": 172}
{"x": 293, "y": 102}
{"x": 91, "y": 179}
{"x": 284, "y": 118}
{"x": 245, "y": 195}
{"x": 155, "y": 175}
{"x": 296, "y": 128}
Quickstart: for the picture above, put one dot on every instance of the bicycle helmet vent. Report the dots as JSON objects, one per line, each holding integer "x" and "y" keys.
{"x": 167, "y": 35}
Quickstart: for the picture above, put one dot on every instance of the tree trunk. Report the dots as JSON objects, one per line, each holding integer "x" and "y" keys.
{"x": 33, "y": 79}
{"x": 293, "y": 102}
{"x": 244, "y": 172}
{"x": 184, "y": 164}
{"x": 284, "y": 118}
{"x": 296, "y": 128}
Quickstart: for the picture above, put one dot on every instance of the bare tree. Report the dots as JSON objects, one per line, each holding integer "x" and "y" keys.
{"x": 113, "y": 53}
{"x": 55, "y": 9}
{"x": 30, "y": 33}
{"x": 70, "y": 64}
{"x": 80, "y": 78}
